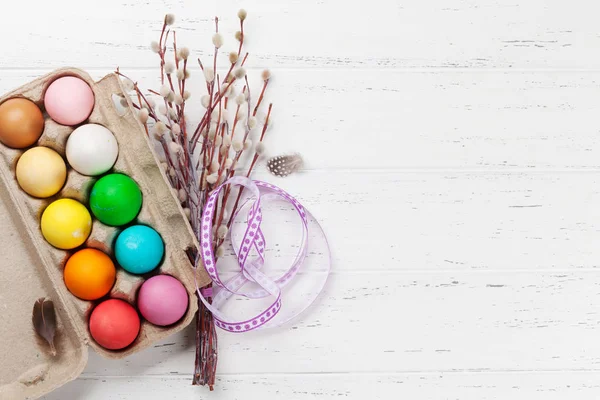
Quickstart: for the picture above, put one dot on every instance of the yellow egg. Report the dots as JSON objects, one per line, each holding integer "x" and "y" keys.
{"x": 41, "y": 172}
{"x": 66, "y": 224}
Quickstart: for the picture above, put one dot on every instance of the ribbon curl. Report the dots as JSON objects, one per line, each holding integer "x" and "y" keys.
{"x": 251, "y": 262}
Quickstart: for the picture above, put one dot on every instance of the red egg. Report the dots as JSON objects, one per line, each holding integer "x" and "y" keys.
{"x": 114, "y": 324}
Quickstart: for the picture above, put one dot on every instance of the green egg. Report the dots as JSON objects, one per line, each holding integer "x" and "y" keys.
{"x": 116, "y": 199}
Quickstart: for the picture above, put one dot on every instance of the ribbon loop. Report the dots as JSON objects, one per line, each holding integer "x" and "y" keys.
{"x": 250, "y": 255}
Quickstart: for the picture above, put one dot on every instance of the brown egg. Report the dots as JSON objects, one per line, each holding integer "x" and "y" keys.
{"x": 21, "y": 123}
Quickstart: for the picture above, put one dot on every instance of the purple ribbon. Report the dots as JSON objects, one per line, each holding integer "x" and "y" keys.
{"x": 250, "y": 255}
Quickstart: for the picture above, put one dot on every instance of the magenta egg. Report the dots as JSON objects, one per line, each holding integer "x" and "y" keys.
{"x": 162, "y": 300}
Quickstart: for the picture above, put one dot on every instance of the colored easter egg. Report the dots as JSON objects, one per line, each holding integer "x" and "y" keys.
{"x": 66, "y": 224}
{"x": 69, "y": 100}
{"x": 114, "y": 324}
{"x": 162, "y": 300}
{"x": 89, "y": 274}
{"x": 92, "y": 149}
{"x": 21, "y": 123}
{"x": 116, "y": 199}
{"x": 139, "y": 249}
{"x": 41, "y": 172}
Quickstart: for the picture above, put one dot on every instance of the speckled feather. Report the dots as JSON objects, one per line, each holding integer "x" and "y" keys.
{"x": 283, "y": 166}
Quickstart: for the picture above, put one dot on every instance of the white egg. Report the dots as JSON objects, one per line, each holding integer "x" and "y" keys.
{"x": 92, "y": 149}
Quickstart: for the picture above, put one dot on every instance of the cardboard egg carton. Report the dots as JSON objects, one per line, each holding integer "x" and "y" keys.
{"x": 32, "y": 268}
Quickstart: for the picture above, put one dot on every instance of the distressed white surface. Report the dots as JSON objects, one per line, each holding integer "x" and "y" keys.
{"x": 452, "y": 152}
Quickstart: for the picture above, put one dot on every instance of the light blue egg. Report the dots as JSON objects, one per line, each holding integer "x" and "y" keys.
{"x": 139, "y": 249}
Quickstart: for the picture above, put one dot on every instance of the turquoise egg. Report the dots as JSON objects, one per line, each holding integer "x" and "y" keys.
{"x": 139, "y": 249}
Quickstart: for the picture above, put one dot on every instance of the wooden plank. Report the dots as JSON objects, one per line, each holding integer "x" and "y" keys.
{"x": 378, "y": 322}
{"x": 435, "y": 221}
{"x": 332, "y": 34}
{"x": 389, "y": 220}
{"x": 417, "y": 34}
{"x": 557, "y": 385}
{"x": 392, "y": 119}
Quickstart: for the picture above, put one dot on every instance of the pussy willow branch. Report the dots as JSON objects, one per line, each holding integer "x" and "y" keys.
{"x": 204, "y": 122}
{"x": 238, "y": 155}
{"x": 194, "y": 172}
{"x": 240, "y": 191}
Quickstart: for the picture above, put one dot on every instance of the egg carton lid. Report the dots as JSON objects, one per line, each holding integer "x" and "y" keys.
{"x": 27, "y": 370}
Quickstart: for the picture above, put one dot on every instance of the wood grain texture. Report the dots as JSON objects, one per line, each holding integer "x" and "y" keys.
{"x": 452, "y": 157}
{"x": 332, "y": 33}
{"x": 436, "y": 386}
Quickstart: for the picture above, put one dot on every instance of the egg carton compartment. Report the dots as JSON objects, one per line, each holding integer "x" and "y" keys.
{"x": 27, "y": 370}
{"x": 160, "y": 208}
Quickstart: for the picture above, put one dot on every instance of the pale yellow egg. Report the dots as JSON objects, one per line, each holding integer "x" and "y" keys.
{"x": 66, "y": 224}
{"x": 41, "y": 172}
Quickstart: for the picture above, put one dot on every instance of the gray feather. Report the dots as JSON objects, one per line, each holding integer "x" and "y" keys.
{"x": 285, "y": 165}
{"x": 44, "y": 321}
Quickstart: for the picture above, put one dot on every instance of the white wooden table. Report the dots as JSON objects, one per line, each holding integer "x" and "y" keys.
{"x": 461, "y": 137}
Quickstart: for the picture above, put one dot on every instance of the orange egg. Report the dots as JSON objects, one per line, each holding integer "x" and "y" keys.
{"x": 89, "y": 274}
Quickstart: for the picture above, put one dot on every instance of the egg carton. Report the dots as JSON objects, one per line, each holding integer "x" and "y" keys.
{"x": 32, "y": 268}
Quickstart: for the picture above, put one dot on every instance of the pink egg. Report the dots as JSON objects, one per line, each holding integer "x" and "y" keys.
{"x": 162, "y": 300}
{"x": 69, "y": 100}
